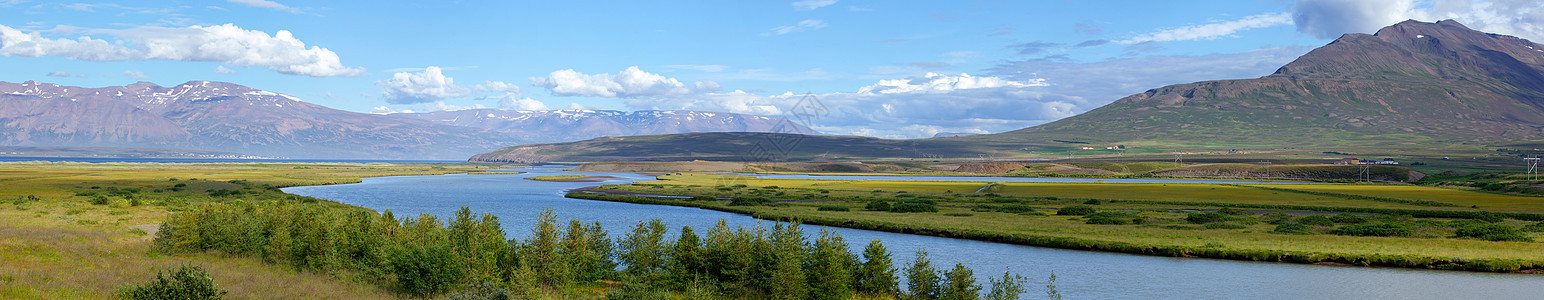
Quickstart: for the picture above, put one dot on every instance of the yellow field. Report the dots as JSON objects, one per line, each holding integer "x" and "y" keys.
{"x": 62, "y": 246}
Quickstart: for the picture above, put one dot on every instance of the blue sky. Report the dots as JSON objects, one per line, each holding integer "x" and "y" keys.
{"x": 894, "y": 69}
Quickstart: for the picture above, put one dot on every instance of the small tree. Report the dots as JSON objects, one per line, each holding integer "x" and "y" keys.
{"x": 877, "y": 275}
{"x": 830, "y": 267}
{"x": 962, "y": 284}
{"x": 188, "y": 282}
{"x": 922, "y": 278}
{"x": 1008, "y": 288}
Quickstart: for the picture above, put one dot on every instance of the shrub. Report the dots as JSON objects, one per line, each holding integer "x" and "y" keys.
{"x": 913, "y": 206}
{"x": 188, "y": 282}
{"x": 1374, "y": 229}
{"x": 100, "y": 200}
{"x": 1291, "y": 228}
{"x": 424, "y": 270}
{"x": 1093, "y": 202}
{"x": 833, "y": 208}
{"x": 1348, "y": 219}
{"x": 1076, "y": 210}
{"x": 877, "y": 205}
{"x": 701, "y": 198}
{"x": 1276, "y": 218}
{"x": 1015, "y": 208}
{"x": 1204, "y": 218}
{"x": 959, "y": 214}
{"x": 1233, "y": 212}
{"x": 1111, "y": 218}
{"x": 1316, "y": 220}
{"x": 1492, "y": 232}
{"x": 984, "y": 208}
{"x": 1535, "y": 227}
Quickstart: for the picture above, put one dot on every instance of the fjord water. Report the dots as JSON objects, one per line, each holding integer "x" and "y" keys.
{"x": 1079, "y": 274}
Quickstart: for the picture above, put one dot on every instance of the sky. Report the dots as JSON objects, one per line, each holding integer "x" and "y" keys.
{"x": 891, "y": 69}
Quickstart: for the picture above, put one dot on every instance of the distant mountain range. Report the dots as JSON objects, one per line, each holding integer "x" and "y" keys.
{"x": 218, "y": 116}
{"x": 547, "y": 126}
{"x": 1411, "y": 86}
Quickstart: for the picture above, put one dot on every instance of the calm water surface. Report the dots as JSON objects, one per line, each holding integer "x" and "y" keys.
{"x": 1080, "y": 274}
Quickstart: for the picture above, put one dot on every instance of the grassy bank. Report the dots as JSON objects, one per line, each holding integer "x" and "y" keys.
{"x": 80, "y": 230}
{"x": 1153, "y": 218}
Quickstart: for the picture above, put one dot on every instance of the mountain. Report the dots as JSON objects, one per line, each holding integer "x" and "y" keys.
{"x": 547, "y": 126}
{"x": 1412, "y": 82}
{"x": 216, "y": 116}
{"x": 1413, "y": 85}
{"x": 226, "y": 117}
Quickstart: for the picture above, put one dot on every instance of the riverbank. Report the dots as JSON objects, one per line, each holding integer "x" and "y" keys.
{"x": 78, "y": 230}
{"x": 1150, "y": 227}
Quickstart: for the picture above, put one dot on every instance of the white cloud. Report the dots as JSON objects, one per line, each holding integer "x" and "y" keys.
{"x": 934, "y": 83}
{"x": 801, "y": 26}
{"x": 1213, "y": 30}
{"x": 427, "y": 86}
{"x": 59, "y": 74}
{"x": 575, "y": 105}
{"x": 134, "y": 74}
{"x": 227, "y": 44}
{"x": 223, "y": 70}
{"x": 1332, "y": 18}
{"x": 630, "y": 83}
{"x": 812, "y": 4}
{"x": 513, "y": 103}
{"x": 267, "y": 4}
{"x": 900, "y": 108}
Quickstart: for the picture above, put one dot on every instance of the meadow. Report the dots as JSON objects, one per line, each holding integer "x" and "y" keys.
{"x": 1359, "y": 224}
{"x": 82, "y": 230}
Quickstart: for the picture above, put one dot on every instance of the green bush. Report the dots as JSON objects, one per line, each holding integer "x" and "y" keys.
{"x": 1111, "y": 218}
{"x": 424, "y": 270}
{"x": 1316, "y": 220}
{"x": 833, "y": 208}
{"x": 1291, "y": 228}
{"x": 1374, "y": 229}
{"x": 1233, "y": 212}
{"x": 1535, "y": 227}
{"x": 1204, "y": 218}
{"x": 748, "y": 201}
{"x": 984, "y": 208}
{"x": 909, "y": 207}
{"x": 1093, "y": 202}
{"x": 959, "y": 214}
{"x": 877, "y": 205}
{"x": 1493, "y": 232}
{"x": 1348, "y": 219}
{"x": 1015, "y": 208}
{"x": 100, "y": 200}
{"x": 1076, "y": 210}
{"x": 188, "y": 282}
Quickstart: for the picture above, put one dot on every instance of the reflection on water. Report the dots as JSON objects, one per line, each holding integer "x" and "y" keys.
{"x": 1080, "y": 274}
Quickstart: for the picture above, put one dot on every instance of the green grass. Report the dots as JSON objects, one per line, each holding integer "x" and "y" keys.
{"x": 60, "y": 246}
{"x": 1158, "y": 228}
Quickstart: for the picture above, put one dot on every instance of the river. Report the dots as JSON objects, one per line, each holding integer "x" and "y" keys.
{"x": 1079, "y": 274}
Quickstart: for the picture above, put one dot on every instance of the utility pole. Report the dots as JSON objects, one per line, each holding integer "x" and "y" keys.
{"x": 1267, "y": 164}
{"x": 1533, "y": 167}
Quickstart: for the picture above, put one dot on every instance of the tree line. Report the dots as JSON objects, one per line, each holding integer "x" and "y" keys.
{"x": 469, "y": 255}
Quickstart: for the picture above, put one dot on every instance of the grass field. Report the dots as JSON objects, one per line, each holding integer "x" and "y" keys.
{"x": 1148, "y": 212}
{"x": 56, "y": 243}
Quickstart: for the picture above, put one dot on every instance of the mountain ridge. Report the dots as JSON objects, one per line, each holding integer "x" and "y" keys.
{"x": 1408, "y": 86}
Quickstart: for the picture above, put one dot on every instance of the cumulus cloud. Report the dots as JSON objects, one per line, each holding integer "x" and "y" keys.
{"x": 630, "y": 83}
{"x": 801, "y": 26}
{"x": 896, "y": 108}
{"x": 223, "y": 70}
{"x": 1212, "y": 30}
{"x": 267, "y": 4}
{"x": 1332, "y": 18}
{"x": 427, "y": 86}
{"x": 228, "y": 44}
{"x": 514, "y": 103}
{"x": 812, "y": 4}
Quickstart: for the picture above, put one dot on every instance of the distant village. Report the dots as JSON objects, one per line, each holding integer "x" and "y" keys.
{"x": 1358, "y": 161}
{"x": 1116, "y": 147}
